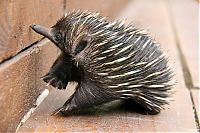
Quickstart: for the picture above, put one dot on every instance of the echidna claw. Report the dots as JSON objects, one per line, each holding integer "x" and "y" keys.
{"x": 58, "y": 85}
{"x": 50, "y": 81}
{"x": 48, "y": 84}
{"x": 57, "y": 111}
{"x": 44, "y": 77}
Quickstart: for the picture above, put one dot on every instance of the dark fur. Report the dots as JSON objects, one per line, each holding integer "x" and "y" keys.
{"x": 62, "y": 71}
{"x": 79, "y": 43}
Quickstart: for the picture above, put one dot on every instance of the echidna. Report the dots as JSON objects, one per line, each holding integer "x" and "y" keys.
{"x": 109, "y": 61}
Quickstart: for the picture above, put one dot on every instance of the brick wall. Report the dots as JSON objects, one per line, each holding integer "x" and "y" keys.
{"x": 23, "y": 59}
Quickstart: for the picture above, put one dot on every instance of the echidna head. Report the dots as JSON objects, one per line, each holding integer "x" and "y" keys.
{"x": 66, "y": 34}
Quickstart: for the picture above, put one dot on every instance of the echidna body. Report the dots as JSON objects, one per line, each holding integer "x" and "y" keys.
{"x": 109, "y": 61}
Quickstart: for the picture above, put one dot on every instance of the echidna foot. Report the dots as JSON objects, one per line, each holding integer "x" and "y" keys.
{"x": 63, "y": 110}
{"x": 66, "y": 110}
{"x": 56, "y": 80}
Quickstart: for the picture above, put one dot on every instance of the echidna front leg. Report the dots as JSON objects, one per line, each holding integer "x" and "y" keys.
{"x": 87, "y": 95}
{"x": 61, "y": 72}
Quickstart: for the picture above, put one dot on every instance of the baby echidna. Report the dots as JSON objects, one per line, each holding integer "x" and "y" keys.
{"x": 109, "y": 61}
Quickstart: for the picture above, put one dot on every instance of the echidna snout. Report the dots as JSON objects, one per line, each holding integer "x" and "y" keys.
{"x": 109, "y": 61}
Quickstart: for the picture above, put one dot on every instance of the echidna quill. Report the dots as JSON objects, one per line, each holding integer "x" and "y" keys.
{"x": 109, "y": 61}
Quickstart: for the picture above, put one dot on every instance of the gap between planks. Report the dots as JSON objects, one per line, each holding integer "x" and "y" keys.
{"x": 34, "y": 47}
{"x": 195, "y": 111}
{"x": 164, "y": 122}
{"x": 185, "y": 16}
{"x": 185, "y": 69}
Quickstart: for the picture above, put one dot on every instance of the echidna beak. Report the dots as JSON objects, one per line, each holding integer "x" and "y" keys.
{"x": 46, "y": 32}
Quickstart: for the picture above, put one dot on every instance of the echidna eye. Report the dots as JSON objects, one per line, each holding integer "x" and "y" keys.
{"x": 58, "y": 36}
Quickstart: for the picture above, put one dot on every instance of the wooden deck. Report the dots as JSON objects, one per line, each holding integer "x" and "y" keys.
{"x": 174, "y": 24}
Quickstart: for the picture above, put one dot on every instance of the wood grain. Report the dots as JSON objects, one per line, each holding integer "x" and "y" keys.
{"x": 178, "y": 116}
{"x": 196, "y": 99}
{"x": 186, "y": 24}
{"x": 17, "y": 16}
{"x": 109, "y": 8}
{"x": 20, "y": 85}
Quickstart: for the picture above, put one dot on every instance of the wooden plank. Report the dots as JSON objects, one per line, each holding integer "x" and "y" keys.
{"x": 17, "y": 16}
{"x": 19, "y": 76}
{"x": 108, "y": 8}
{"x": 20, "y": 85}
{"x": 185, "y": 16}
{"x": 155, "y": 17}
{"x": 196, "y": 96}
{"x": 152, "y": 15}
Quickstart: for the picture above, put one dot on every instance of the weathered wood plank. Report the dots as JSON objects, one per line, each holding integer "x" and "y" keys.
{"x": 19, "y": 76}
{"x": 185, "y": 17}
{"x": 20, "y": 85}
{"x": 152, "y": 15}
{"x": 17, "y": 16}
{"x": 196, "y": 99}
{"x": 106, "y": 7}
{"x": 155, "y": 17}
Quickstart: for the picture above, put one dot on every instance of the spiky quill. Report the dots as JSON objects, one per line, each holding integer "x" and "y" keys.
{"x": 109, "y": 61}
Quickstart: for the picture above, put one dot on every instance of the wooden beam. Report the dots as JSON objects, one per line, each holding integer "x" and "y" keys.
{"x": 184, "y": 15}
{"x": 178, "y": 116}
